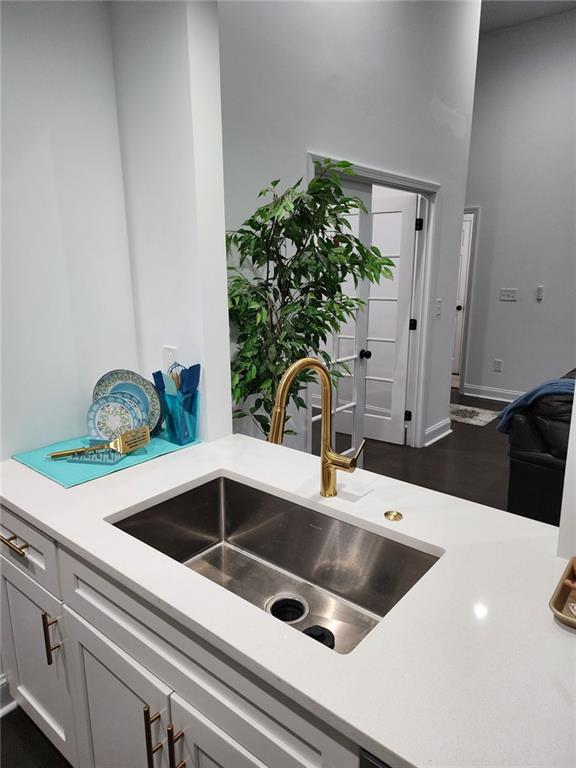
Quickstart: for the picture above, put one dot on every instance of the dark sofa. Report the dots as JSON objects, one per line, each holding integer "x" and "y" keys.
{"x": 537, "y": 449}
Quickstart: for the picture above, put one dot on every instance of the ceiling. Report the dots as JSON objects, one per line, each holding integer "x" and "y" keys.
{"x": 497, "y": 14}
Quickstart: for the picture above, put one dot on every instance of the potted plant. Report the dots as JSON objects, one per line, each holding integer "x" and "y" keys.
{"x": 287, "y": 266}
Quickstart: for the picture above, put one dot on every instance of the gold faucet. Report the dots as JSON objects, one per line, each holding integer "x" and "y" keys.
{"x": 330, "y": 460}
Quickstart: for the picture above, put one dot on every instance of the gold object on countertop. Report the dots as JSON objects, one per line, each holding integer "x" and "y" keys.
{"x": 18, "y": 550}
{"x": 393, "y": 514}
{"x": 563, "y": 601}
{"x": 330, "y": 460}
{"x": 125, "y": 443}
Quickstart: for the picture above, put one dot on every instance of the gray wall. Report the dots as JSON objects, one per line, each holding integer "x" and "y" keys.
{"x": 388, "y": 85}
{"x": 522, "y": 173}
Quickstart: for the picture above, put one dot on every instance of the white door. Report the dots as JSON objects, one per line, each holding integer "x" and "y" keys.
{"x": 122, "y": 709}
{"x": 463, "y": 269}
{"x": 37, "y": 673}
{"x": 381, "y": 331}
{"x": 199, "y": 743}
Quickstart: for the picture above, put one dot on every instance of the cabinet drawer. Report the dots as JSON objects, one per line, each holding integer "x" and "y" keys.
{"x": 29, "y": 550}
{"x": 267, "y": 725}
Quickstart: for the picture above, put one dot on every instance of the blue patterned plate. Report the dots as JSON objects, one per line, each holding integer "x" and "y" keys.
{"x": 127, "y": 381}
{"x": 109, "y": 416}
{"x": 136, "y": 403}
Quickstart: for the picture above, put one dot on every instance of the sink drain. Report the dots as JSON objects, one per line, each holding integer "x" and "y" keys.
{"x": 287, "y": 608}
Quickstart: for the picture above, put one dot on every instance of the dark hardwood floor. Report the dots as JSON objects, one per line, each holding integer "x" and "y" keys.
{"x": 471, "y": 463}
{"x": 23, "y": 745}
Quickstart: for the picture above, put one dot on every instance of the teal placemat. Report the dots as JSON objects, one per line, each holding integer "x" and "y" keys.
{"x": 68, "y": 473}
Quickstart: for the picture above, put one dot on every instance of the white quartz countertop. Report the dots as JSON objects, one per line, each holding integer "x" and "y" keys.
{"x": 468, "y": 670}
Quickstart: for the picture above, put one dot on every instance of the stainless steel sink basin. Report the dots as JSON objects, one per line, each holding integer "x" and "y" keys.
{"x": 329, "y": 579}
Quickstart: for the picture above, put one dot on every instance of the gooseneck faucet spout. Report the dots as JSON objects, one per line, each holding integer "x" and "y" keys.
{"x": 330, "y": 460}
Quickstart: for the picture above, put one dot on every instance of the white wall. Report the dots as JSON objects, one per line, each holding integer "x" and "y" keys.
{"x": 523, "y": 175}
{"x": 113, "y": 240}
{"x": 387, "y": 85}
{"x": 67, "y": 299}
{"x": 167, "y": 67}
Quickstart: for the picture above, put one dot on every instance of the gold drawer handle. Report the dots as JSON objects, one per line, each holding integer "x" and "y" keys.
{"x": 172, "y": 739}
{"x": 151, "y": 749}
{"x": 18, "y": 550}
{"x": 46, "y": 624}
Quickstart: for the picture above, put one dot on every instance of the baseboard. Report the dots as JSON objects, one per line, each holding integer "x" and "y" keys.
{"x": 6, "y": 703}
{"x": 491, "y": 393}
{"x": 437, "y": 432}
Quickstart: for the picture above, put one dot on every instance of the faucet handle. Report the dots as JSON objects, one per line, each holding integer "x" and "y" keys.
{"x": 357, "y": 454}
{"x": 345, "y": 463}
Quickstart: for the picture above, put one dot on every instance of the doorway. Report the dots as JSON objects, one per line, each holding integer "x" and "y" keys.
{"x": 371, "y": 398}
{"x": 467, "y": 240}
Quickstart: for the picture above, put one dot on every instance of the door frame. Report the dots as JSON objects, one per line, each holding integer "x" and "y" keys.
{"x": 477, "y": 212}
{"x": 421, "y": 287}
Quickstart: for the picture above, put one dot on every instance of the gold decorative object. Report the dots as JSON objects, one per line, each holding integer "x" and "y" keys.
{"x": 563, "y": 601}
{"x": 393, "y": 514}
{"x": 127, "y": 442}
{"x": 330, "y": 460}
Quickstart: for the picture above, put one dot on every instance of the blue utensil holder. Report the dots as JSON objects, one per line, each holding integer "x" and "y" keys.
{"x": 181, "y": 417}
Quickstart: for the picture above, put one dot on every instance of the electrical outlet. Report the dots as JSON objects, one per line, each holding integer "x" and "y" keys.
{"x": 168, "y": 357}
{"x": 539, "y": 293}
{"x": 438, "y": 311}
{"x": 498, "y": 365}
{"x": 508, "y": 294}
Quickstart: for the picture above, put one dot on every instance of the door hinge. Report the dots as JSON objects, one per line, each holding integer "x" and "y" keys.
{"x": 413, "y": 324}
{"x": 407, "y": 415}
{"x": 419, "y": 225}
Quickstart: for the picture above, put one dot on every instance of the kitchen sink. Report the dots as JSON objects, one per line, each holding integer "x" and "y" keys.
{"x": 331, "y": 580}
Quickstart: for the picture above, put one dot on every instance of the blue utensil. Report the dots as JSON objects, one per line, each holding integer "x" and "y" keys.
{"x": 189, "y": 380}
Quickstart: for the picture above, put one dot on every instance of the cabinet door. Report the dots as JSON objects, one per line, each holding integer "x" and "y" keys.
{"x": 37, "y": 675}
{"x": 111, "y": 692}
{"x": 203, "y": 744}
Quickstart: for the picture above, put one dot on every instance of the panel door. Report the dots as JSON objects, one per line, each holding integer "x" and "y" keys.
{"x": 379, "y": 385}
{"x": 122, "y": 709}
{"x": 199, "y": 743}
{"x": 463, "y": 269}
{"x": 38, "y": 686}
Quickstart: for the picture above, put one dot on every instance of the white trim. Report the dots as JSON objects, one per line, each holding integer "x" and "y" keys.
{"x": 7, "y": 709}
{"x": 491, "y": 393}
{"x": 376, "y": 176}
{"x": 6, "y": 703}
{"x": 437, "y": 432}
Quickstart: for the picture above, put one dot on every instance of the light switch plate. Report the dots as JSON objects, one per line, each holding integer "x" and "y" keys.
{"x": 508, "y": 294}
{"x": 498, "y": 365}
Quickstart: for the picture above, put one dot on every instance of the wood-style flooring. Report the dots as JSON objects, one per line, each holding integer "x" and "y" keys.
{"x": 23, "y": 745}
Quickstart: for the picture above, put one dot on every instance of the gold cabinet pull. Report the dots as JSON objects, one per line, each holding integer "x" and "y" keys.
{"x": 151, "y": 749}
{"x": 172, "y": 739}
{"x": 46, "y": 624}
{"x": 18, "y": 550}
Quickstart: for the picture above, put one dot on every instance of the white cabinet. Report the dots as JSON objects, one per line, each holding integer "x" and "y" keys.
{"x": 122, "y": 709}
{"x": 35, "y": 653}
{"x": 199, "y": 743}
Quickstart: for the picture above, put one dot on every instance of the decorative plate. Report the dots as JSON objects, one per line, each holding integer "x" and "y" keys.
{"x": 136, "y": 403}
{"x": 106, "y": 383}
{"x": 132, "y": 392}
{"x": 109, "y": 416}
